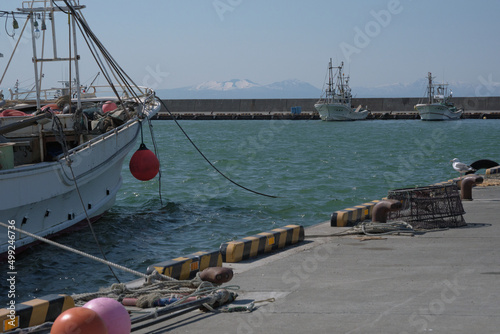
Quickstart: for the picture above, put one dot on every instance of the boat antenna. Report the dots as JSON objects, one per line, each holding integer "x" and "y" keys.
{"x": 98, "y": 73}
{"x": 206, "y": 159}
{"x": 89, "y": 35}
{"x": 15, "y": 47}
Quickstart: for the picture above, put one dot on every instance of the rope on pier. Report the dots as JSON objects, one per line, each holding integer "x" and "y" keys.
{"x": 373, "y": 229}
{"x": 155, "y": 285}
{"x": 147, "y": 294}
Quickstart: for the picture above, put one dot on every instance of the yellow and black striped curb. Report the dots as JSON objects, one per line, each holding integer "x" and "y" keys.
{"x": 494, "y": 170}
{"x": 352, "y": 216}
{"x": 34, "y": 312}
{"x": 186, "y": 267}
{"x": 249, "y": 247}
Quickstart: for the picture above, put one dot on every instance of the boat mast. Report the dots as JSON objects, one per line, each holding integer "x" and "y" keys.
{"x": 53, "y": 24}
{"x": 341, "y": 78}
{"x": 32, "y": 11}
{"x": 330, "y": 81}
{"x": 430, "y": 88}
{"x": 35, "y": 61}
{"x": 77, "y": 70}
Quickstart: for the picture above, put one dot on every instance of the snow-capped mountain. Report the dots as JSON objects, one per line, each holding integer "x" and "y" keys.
{"x": 243, "y": 89}
{"x": 246, "y": 89}
{"x": 225, "y": 85}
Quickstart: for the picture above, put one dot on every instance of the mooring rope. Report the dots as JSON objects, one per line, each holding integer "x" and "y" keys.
{"x": 92, "y": 257}
{"x": 375, "y": 228}
{"x": 147, "y": 292}
{"x": 206, "y": 159}
{"x": 157, "y": 153}
{"x": 155, "y": 283}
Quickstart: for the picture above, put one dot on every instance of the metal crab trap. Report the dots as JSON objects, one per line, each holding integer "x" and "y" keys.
{"x": 429, "y": 207}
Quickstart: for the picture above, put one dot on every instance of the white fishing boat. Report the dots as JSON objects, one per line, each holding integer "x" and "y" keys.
{"x": 61, "y": 158}
{"x": 438, "y": 106}
{"x": 336, "y": 104}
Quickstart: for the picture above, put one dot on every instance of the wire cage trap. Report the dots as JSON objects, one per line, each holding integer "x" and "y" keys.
{"x": 429, "y": 207}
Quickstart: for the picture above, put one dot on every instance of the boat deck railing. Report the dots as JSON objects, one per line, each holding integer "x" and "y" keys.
{"x": 93, "y": 91}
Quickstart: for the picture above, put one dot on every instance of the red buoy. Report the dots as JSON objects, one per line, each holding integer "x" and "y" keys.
{"x": 144, "y": 165}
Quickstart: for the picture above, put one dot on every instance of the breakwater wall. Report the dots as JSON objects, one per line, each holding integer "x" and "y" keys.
{"x": 469, "y": 104}
{"x": 381, "y": 108}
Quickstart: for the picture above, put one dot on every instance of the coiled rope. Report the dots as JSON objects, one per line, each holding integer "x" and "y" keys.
{"x": 154, "y": 287}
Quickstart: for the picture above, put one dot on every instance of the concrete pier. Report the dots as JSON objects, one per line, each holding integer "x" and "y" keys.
{"x": 445, "y": 281}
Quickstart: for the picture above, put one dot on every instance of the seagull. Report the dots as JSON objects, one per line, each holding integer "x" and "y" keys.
{"x": 461, "y": 167}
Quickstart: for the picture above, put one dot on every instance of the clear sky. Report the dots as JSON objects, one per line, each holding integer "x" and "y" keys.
{"x": 177, "y": 43}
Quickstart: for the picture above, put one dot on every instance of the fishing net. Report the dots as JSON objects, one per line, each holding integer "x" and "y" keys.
{"x": 429, "y": 207}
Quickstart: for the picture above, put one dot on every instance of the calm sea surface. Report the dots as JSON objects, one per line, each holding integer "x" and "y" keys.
{"x": 314, "y": 167}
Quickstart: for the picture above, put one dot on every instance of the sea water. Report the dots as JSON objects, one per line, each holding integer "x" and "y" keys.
{"x": 312, "y": 167}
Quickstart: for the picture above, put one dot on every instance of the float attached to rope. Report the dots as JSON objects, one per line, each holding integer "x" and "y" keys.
{"x": 144, "y": 165}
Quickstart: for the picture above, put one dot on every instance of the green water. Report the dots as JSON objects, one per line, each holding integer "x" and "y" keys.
{"x": 313, "y": 167}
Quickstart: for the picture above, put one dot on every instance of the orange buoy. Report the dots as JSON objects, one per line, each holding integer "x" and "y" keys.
{"x": 79, "y": 320}
{"x": 144, "y": 165}
{"x": 109, "y": 106}
{"x": 12, "y": 112}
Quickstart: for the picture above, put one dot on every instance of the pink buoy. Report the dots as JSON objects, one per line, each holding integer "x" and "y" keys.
{"x": 144, "y": 165}
{"x": 109, "y": 106}
{"x": 12, "y": 112}
{"x": 114, "y": 315}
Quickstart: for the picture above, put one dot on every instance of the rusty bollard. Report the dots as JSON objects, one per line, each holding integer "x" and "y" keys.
{"x": 466, "y": 185}
{"x": 382, "y": 208}
{"x": 217, "y": 275}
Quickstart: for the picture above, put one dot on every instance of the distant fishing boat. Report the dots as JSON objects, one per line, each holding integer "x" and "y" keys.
{"x": 62, "y": 150}
{"x": 336, "y": 104}
{"x": 439, "y": 106}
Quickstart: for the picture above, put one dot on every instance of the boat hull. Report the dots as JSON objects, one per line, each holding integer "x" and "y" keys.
{"x": 43, "y": 198}
{"x": 437, "y": 112}
{"x": 339, "y": 112}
